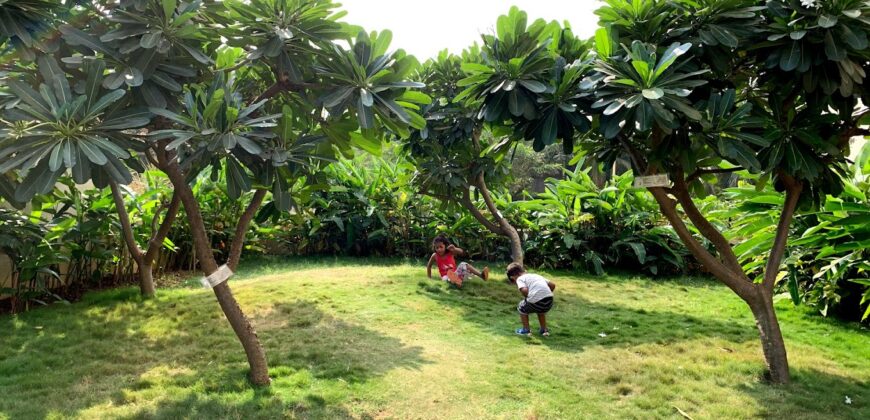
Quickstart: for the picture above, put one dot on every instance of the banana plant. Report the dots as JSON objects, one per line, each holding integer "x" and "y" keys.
{"x": 65, "y": 131}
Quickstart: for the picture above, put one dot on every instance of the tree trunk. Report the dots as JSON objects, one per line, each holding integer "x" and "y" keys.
{"x": 772, "y": 344}
{"x": 507, "y": 230}
{"x": 259, "y": 374}
{"x": 146, "y": 280}
{"x": 516, "y": 244}
{"x": 757, "y": 296}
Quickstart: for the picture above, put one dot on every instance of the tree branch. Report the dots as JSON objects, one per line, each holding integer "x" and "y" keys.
{"x": 469, "y": 205}
{"x": 157, "y": 238}
{"x": 793, "y": 189}
{"x": 242, "y": 228}
{"x": 706, "y": 171}
{"x": 194, "y": 214}
{"x": 126, "y": 228}
{"x": 681, "y": 192}
{"x": 716, "y": 267}
{"x": 283, "y": 86}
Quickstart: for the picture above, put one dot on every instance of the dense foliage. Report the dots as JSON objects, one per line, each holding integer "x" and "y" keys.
{"x": 368, "y": 208}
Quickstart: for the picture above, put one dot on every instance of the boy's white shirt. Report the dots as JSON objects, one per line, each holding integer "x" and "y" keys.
{"x": 537, "y": 285}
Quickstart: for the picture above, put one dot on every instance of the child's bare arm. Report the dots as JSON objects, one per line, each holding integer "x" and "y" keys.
{"x": 524, "y": 291}
{"x": 429, "y": 266}
{"x": 456, "y": 251}
{"x": 551, "y": 285}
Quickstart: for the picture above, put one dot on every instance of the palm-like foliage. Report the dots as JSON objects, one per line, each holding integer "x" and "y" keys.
{"x": 374, "y": 82}
{"x": 23, "y": 23}
{"x": 80, "y": 132}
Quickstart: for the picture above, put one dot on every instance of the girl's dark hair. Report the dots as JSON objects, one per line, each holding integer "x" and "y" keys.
{"x": 440, "y": 239}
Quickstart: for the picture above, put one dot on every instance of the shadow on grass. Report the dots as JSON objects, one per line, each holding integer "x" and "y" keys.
{"x": 577, "y": 323}
{"x": 179, "y": 354}
{"x": 824, "y": 392}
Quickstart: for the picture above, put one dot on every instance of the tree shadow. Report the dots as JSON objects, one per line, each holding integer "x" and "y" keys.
{"x": 577, "y": 323}
{"x": 812, "y": 388}
{"x": 181, "y": 355}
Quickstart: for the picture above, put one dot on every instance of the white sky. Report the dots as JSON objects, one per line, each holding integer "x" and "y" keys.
{"x": 425, "y": 27}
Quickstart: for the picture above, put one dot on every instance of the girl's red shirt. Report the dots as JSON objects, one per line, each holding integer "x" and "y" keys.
{"x": 445, "y": 263}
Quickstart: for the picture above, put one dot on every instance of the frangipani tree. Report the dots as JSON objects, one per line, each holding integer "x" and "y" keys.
{"x": 694, "y": 88}
{"x": 258, "y": 88}
{"x": 451, "y": 152}
{"x": 520, "y": 85}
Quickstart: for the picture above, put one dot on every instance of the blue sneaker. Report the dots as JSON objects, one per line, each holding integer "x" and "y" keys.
{"x": 544, "y": 332}
{"x": 523, "y": 331}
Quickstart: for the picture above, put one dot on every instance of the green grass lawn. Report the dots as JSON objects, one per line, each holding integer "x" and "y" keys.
{"x": 377, "y": 340}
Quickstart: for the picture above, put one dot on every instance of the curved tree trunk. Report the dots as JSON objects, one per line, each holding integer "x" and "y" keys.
{"x": 259, "y": 374}
{"x": 144, "y": 259}
{"x": 727, "y": 270}
{"x": 507, "y": 230}
{"x": 146, "y": 281}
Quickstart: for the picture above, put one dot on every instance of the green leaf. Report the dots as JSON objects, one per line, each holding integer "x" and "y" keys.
{"x": 214, "y": 105}
{"x": 416, "y": 97}
{"x": 249, "y": 145}
{"x": 724, "y": 36}
{"x": 654, "y": 93}
{"x": 603, "y": 44}
{"x": 30, "y": 97}
{"x": 791, "y": 58}
{"x": 196, "y": 54}
{"x": 642, "y": 68}
{"x": 169, "y": 9}
{"x": 93, "y": 153}
{"x": 670, "y": 56}
{"x": 238, "y": 181}
{"x": 369, "y": 144}
{"x": 793, "y": 289}
{"x": 856, "y": 38}
{"x": 105, "y": 101}
{"x": 77, "y": 37}
{"x": 739, "y": 152}
{"x": 827, "y": 21}
{"x": 533, "y": 85}
{"x": 833, "y": 50}
{"x": 151, "y": 39}
{"x": 94, "y": 70}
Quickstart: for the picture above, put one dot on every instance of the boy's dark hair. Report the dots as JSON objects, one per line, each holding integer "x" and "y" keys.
{"x": 514, "y": 269}
{"x": 441, "y": 239}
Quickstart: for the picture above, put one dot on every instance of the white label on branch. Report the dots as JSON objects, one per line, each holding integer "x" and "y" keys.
{"x": 216, "y": 278}
{"x": 660, "y": 180}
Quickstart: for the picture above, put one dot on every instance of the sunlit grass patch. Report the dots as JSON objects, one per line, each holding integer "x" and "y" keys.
{"x": 357, "y": 339}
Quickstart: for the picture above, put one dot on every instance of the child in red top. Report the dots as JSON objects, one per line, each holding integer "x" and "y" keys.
{"x": 443, "y": 257}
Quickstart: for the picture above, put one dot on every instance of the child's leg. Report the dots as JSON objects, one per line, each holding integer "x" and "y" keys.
{"x": 524, "y": 318}
{"x": 542, "y": 319}
{"x": 472, "y": 270}
{"x": 482, "y": 274}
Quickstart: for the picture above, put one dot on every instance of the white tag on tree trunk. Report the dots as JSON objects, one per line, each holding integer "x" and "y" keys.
{"x": 660, "y": 180}
{"x": 216, "y": 278}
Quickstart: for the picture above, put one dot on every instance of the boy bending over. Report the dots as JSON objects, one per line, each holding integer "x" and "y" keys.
{"x": 538, "y": 297}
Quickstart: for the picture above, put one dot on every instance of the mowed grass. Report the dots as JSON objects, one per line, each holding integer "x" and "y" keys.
{"x": 369, "y": 339}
